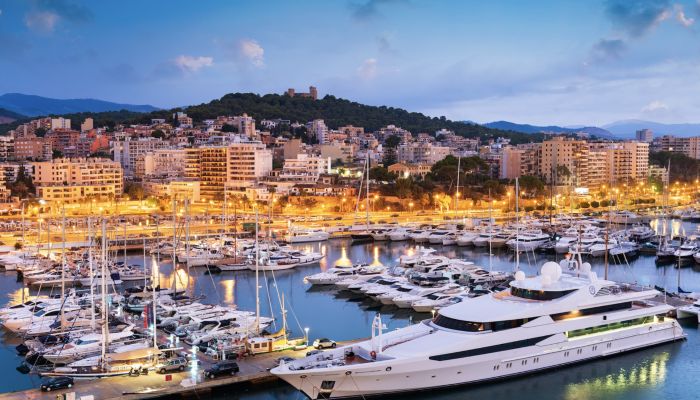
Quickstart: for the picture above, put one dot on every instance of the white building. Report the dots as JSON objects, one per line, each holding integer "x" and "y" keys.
{"x": 127, "y": 152}
{"x": 60, "y": 123}
{"x": 305, "y": 168}
{"x": 318, "y": 129}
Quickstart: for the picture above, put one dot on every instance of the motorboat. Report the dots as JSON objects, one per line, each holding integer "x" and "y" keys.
{"x": 527, "y": 240}
{"x": 466, "y": 239}
{"x": 544, "y": 322}
{"x": 306, "y": 235}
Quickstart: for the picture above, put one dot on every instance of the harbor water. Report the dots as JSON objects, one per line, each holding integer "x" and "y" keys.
{"x": 666, "y": 371}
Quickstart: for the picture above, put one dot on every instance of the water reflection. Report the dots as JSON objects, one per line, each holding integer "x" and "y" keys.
{"x": 644, "y": 375}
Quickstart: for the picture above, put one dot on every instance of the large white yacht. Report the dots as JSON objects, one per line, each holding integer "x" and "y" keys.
{"x": 539, "y": 323}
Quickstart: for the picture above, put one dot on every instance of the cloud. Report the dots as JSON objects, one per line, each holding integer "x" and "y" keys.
{"x": 368, "y": 69}
{"x": 608, "y": 49}
{"x": 384, "y": 44}
{"x": 192, "y": 64}
{"x": 250, "y": 51}
{"x": 369, "y": 9}
{"x": 681, "y": 17}
{"x": 41, "y": 21}
{"x": 637, "y": 17}
{"x": 654, "y": 107}
{"x": 44, "y": 15}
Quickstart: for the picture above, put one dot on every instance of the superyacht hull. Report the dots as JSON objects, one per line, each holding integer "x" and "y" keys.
{"x": 375, "y": 378}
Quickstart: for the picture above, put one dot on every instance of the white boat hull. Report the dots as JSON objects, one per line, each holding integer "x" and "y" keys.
{"x": 422, "y": 373}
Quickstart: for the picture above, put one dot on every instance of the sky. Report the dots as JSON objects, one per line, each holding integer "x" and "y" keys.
{"x": 562, "y": 62}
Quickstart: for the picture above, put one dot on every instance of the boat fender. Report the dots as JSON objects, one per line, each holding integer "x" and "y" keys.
{"x": 373, "y": 354}
{"x": 388, "y": 369}
{"x": 348, "y": 372}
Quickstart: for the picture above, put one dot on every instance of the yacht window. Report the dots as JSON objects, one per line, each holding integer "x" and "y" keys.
{"x": 591, "y": 311}
{"x": 489, "y": 349}
{"x": 609, "y": 327}
{"x": 469, "y": 326}
{"x": 539, "y": 294}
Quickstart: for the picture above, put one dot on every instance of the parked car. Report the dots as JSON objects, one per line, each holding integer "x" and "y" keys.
{"x": 60, "y": 382}
{"x": 174, "y": 364}
{"x": 324, "y": 343}
{"x": 222, "y": 368}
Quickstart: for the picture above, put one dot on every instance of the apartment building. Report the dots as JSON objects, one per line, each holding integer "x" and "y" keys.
{"x": 409, "y": 170}
{"x": 7, "y": 148}
{"x": 235, "y": 165}
{"x": 421, "y": 153}
{"x": 126, "y": 152}
{"x": 33, "y": 148}
{"x": 60, "y": 123}
{"x": 318, "y": 129}
{"x": 70, "y": 180}
{"x": 161, "y": 163}
{"x": 305, "y": 168}
{"x": 690, "y": 146}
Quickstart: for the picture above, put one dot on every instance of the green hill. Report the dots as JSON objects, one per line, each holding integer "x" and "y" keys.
{"x": 335, "y": 111}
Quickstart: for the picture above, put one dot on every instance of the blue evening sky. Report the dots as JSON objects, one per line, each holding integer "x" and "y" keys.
{"x": 543, "y": 62}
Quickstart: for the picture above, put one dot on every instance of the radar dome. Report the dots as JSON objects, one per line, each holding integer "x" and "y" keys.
{"x": 586, "y": 268}
{"x": 552, "y": 270}
{"x": 520, "y": 276}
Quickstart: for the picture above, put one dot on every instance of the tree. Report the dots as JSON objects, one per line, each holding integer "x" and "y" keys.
{"x": 228, "y": 128}
{"x": 159, "y": 134}
{"x": 134, "y": 190}
{"x": 563, "y": 172}
{"x": 381, "y": 174}
{"x": 56, "y": 154}
{"x": 40, "y": 132}
{"x": 531, "y": 185}
{"x": 23, "y": 186}
{"x": 390, "y": 145}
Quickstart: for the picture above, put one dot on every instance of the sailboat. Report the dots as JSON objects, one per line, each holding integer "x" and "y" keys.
{"x": 121, "y": 360}
{"x": 365, "y": 235}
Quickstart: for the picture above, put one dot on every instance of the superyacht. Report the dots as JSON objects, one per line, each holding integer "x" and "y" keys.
{"x": 538, "y": 323}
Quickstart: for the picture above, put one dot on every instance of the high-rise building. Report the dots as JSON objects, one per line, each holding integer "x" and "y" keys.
{"x": 127, "y": 151}
{"x": 645, "y": 135}
{"x": 60, "y": 123}
{"x": 245, "y": 125}
{"x": 234, "y": 165}
{"x": 690, "y": 146}
{"x": 87, "y": 125}
{"x": 318, "y": 129}
{"x": 69, "y": 180}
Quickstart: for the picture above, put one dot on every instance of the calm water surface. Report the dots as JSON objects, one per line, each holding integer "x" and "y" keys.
{"x": 666, "y": 371}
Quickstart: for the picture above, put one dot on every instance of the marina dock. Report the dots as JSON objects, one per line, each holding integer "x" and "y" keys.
{"x": 253, "y": 370}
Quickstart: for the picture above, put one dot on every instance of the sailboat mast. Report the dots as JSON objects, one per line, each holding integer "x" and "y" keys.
{"x": 187, "y": 242}
{"x": 63, "y": 264}
{"x": 257, "y": 275}
{"x": 517, "y": 225}
{"x": 174, "y": 245}
{"x": 367, "y": 194}
{"x": 92, "y": 274}
{"x": 459, "y": 164}
{"x": 490, "y": 233}
{"x": 103, "y": 288}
